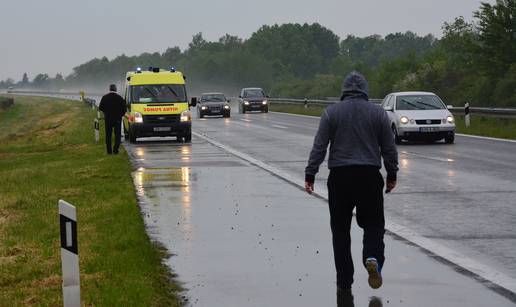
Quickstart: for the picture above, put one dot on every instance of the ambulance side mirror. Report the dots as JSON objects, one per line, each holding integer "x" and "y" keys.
{"x": 193, "y": 102}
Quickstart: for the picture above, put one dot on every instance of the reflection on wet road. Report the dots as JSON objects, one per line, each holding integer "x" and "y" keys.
{"x": 241, "y": 237}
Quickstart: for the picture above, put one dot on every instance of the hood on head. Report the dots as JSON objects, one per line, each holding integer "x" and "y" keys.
{"x": 355, "y": 84}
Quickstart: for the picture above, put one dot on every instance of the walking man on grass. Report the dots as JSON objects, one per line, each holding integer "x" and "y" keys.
{"x": 113, "y": 106}
{"x": 359, "y": 135}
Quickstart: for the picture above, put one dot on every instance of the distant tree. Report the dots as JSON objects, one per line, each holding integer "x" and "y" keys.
{"x": 25, "y": 80}
{"x": 299, "y": 50}
{"x": 497, "y": 27}
{"x": 40, "y": 80}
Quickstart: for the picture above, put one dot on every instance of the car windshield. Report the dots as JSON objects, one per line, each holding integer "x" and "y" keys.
{"x": 158, "y": 93}
{"x": 419, "y": 102}
{"x": 213, "y": 98}
{"x": 254, "y": 93}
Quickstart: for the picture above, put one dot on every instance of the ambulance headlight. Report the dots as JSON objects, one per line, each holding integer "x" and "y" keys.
{"x": 450, "y": 119}
{"x": 138, "y": 118}
{"x": 264, "y": 102}
{"x": 226, "y": 107}
{"x": 203, "y": 108}
{"x": 186, "y": 116}
{"x": 404, "y": 120}
{"x": 246, "y": 103}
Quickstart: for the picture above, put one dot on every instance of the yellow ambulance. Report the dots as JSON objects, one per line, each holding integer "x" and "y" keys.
{"x": 157, "y": 105}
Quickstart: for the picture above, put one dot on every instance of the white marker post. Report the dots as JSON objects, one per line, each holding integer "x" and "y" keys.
{"x": 466, "y": 114}
{"x": 69, "y": 255}
{"x": 96, "y": 127}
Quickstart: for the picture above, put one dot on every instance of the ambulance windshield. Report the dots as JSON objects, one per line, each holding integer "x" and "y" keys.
{"x": 158, "y": 93}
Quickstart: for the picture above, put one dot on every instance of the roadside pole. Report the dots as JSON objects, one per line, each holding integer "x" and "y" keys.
{"x": 96, "y": 127}
{"x": 69, "y": 255}
{"x": 306, "y": 103}
{"x": 466, "y": 114}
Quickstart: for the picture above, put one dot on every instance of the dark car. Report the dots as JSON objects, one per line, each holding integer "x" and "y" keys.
{"x": 253, "y": 99}
{"x": 213, "y": 104}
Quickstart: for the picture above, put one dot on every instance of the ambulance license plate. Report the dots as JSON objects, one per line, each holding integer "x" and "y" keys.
{"x": 161, "y": 129}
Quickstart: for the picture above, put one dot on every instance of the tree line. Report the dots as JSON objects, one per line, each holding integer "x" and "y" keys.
{"x": 473, "y": 61}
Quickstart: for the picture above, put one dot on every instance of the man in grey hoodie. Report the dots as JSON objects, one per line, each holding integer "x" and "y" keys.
{"x": 359, "y": 135}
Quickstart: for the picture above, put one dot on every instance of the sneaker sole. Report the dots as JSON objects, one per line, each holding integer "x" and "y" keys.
{"x": 375, "y": 279}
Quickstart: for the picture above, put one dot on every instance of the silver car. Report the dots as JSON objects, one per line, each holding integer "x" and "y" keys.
{"x": 419, "y": 116}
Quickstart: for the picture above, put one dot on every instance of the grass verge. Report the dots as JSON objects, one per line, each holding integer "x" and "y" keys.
{"x": 504, "y": 128}
{"x": 47, "y": 153}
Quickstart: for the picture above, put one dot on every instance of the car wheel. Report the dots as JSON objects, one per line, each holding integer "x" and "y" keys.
{"x": 243, "y": 110}
{"x": 397, "y": 139}
{"x": 449, "y": 139}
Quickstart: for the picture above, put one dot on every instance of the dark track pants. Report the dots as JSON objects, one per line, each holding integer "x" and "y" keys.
{"x": 360, "y": 187}
{"x": 110, "y": 126}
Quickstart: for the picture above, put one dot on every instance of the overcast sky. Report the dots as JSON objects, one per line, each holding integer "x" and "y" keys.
{"x": 51, "y": 36}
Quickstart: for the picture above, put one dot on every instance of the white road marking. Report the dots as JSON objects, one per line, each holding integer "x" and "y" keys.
{"x": 292, "y": 114}
{"x": 486, "y": 138}
{"x": 427, "y": 157}
{"x": 246, "y": 120}
{"x": 483, "y": 271}
{"x": 280, "y": 127}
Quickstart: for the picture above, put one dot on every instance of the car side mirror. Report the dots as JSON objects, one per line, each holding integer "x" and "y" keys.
{"x": 267, "y": 96}
{"x": 239, "y": 96}
{"x": 390, "y": 109}
{"x": 193, "y": 102}
{"x": 229, "y": 100}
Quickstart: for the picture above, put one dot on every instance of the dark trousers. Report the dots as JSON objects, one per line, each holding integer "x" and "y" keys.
{"x": 110, "y": 126}
{"x": 360, "y": 187}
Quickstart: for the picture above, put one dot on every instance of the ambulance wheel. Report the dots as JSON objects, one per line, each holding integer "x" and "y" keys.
{"x": 132, "y": 138}
{"x": 188, "y": 138}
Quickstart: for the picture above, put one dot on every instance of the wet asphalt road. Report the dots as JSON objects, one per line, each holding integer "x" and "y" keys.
{"x": 462, "y": 195}
{"x": 242, "y": 237}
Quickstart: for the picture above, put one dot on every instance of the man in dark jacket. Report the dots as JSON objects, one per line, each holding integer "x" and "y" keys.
{"x": 359, "y": 134}
{"x": 113, "y": 106}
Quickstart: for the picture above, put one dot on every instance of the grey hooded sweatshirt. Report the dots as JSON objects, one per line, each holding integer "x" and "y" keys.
{"x": 358, "y": 131}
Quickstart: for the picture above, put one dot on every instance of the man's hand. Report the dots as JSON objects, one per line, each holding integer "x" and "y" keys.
{"x": 391, "y": 184}
{"x": 309, "y": 187}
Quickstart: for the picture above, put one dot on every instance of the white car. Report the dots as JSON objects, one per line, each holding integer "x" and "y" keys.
{"x": 419, "y": 116}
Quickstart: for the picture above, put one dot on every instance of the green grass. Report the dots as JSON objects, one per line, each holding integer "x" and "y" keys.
{"x": 504, "y": 128}
{"x": 47, "y": 153}
{"x": 480, "y": 125}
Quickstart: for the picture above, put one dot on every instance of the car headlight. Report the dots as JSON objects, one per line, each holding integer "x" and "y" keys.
{"x": 264, "y": 102}
{"x": 246, "y": 103}
{"x": 138, "y": 117}
{"x": 404, "y": 120}
{"x": 203, "y": 108}
{"x": 186, "y": 116}
{"x": 450, "y": 119}
{"x": 226, "y": 107}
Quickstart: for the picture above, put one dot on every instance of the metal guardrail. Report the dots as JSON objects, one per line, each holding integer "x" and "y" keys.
{"x": 492, "y": 112}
